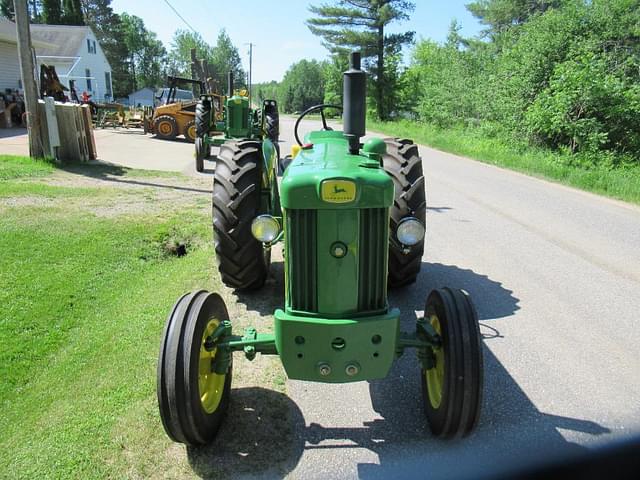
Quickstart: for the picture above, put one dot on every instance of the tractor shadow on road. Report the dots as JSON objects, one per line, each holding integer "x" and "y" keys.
{"x": 257, "y": 439}
{"x": 512, "y": 431}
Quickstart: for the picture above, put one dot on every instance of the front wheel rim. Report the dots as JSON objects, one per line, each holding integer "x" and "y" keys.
{"x": 210, "y": 384}
{"x": 435, "y": 376}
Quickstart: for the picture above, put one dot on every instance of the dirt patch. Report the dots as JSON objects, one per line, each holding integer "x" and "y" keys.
{"x": 118, "y": 195}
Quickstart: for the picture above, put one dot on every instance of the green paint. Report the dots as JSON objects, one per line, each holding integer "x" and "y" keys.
{"x": 338, "y": 293}
{"x": 306, "y": 343}
{"x": 329, "y": 159}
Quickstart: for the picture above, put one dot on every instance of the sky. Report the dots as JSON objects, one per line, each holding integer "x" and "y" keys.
{"x": 276, "y": 27}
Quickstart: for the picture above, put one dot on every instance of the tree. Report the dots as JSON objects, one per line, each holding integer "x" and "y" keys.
{"x": 332, "y": 74}
{"x": 222, "y": 58}
{"x": 360, "y": 24}
{"x": 302, "y": 86}
{"x": 73, "y": 12}
{"x": 180, "y": 55}
{"x": 134, "y": 38}
{"x": 225, "y": 58}
{"x": 146, "y": 52}
{"x": 109, "y": 31}
{"x": 6, "y": 9}
{"x": 500, "y": 15}
{"x": 51, "y": 12}
{"x": 34, "y": 7}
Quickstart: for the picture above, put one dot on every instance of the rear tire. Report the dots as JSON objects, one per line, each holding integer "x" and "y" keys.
{"x": 165, "y": 127}
{"x": 203, "y": 118}
{"x": 452, "y": 389}
{"x": 403, "y": 163}
{"x": 272, "y": 120}
{"x": 236, "y": 202}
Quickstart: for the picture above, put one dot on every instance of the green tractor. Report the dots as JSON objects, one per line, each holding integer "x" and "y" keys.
{"x": 219, "y": 119}
{"x": 352, "y": 219}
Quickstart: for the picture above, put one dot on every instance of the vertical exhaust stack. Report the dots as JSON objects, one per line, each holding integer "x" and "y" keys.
{"x": 230, "y": 85}
{"x": 354, "y": 103}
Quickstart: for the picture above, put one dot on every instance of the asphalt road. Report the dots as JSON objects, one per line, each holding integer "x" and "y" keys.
{"x": 555, "y": 276}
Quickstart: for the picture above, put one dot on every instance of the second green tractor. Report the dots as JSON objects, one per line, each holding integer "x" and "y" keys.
{"x": 220, "y": 120}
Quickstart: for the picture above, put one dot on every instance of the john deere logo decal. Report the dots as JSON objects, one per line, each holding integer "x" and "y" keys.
{"x": 338, "y": 191}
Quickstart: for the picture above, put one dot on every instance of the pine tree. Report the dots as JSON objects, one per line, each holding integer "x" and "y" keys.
{"x": 360, "y": 24}
{"x": 500, "y": 15}
{"x": 52, "y": 12}
{"x": 73, "y": 12}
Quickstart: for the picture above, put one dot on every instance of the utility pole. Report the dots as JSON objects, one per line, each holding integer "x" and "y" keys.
{"x": 25, "y": 52}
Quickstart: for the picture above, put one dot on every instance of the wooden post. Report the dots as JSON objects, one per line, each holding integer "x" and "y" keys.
{"x": 25, "y": 52}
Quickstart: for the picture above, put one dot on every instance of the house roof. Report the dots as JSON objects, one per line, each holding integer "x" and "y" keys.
{"x": 142, "y": 91}
{"x": 62, "y": 40}
{"x": 8, "y": 34}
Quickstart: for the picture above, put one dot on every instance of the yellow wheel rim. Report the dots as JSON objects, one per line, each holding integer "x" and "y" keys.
{"x": 191, "y": 132}
{"x": 165, "y": 128}
{"x": 210, "y": 384}
{"x": 435, "y": 376}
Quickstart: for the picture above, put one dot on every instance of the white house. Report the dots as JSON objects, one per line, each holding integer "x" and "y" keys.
{"x": 77, "y": 56}
{"x": 73, "y": 50}
{"x": 10, "y": 77}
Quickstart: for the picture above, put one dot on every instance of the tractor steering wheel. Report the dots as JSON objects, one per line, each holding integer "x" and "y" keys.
{"x": 320, "y": 107}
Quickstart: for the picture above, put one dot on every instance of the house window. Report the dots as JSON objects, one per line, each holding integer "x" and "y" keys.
{"x": 87, "y": 73}
{"x": 107, "y": 82}
{"x": 91, "y": 46}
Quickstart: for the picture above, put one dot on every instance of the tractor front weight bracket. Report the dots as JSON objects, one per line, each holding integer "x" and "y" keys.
{"x": 425, "y": 340}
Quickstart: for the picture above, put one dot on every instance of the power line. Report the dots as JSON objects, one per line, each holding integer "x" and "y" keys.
{"x": 180, "y": 16}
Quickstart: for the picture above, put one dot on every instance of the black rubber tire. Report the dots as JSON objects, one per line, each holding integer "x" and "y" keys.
{"x": 188, "y": 126}
{"x": 166, "y": 135}
{"x": 203, "y": 118}
{"x": 459, "y": 409}
{"x": 236, "y": 202}
{"x": 183, "y": 417}
{"x": 201, "y": 151}
{"x": 403, "y": 163}
{"x": 272, "y": 121}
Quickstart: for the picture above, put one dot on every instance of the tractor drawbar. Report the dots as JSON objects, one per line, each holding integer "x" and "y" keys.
{"x": 354, "y": 107}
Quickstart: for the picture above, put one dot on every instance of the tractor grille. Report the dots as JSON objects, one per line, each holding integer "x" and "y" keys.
{"x": 372, "y": 261}
{"x": 301, "y": 230}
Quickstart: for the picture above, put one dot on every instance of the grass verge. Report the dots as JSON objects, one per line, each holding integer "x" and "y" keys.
{"x": 622, "y": 183}
{"x": 85, "y": 298}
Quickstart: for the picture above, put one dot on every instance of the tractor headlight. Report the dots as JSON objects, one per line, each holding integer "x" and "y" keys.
{"x": 265, "y": 228}
{"x": 410, "y": 231}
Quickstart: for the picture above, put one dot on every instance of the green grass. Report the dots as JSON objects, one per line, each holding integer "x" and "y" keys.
{"x": 17, "y": 167}
{"x": 84, "y": 303}
{"x": 622, "y": 183}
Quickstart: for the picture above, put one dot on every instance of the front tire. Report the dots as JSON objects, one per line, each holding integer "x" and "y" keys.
{"x": 403, "y": 163}
{"x": 201, "y": 150}
{"x": 192, "y": 398}
{"x": 452, "y": 388}
{"x": 165, "y": 127}
{"x": 236, "y": 202}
